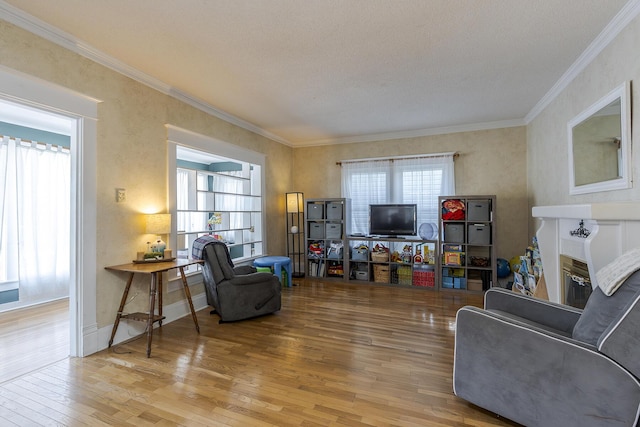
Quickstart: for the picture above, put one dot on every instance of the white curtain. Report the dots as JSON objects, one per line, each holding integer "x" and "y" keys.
{"x": 365, "y": 183}
{"x": 35, "y": 225}
{"x": 419, "y": 180}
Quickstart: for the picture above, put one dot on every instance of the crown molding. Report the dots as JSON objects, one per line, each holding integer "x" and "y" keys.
{"x": 55, "y": 35}
{"x": 413, "y": 133}
{"x": 606, "y": 36}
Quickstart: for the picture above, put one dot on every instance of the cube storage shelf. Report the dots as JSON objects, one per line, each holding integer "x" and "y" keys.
{"x": 402, "y": 262}
{"x": 467, "y": 242}
{"x": 326, "y": 229}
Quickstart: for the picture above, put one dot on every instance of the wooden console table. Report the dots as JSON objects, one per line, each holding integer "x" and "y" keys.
{"x": 154, "y": 269}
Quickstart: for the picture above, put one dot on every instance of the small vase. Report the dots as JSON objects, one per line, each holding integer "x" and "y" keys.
{"x": 158, "y": 246}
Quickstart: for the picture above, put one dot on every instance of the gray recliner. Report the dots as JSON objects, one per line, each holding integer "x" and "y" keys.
{"x": 545, "y": 364}
{"x": 237, "y": 293}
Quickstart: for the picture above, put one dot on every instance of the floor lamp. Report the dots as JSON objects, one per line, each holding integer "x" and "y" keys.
{"x": 295, "y": 232}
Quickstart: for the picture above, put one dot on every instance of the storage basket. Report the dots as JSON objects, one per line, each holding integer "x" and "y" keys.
{"x": 361, "y": 275}
{"x": 378, "y": 256}
{"x": 404, "y": 275}
{"x": 479, "y": 261}
{"x": 425, "y": 276}
{"x": 333, "y": 231}
{"x": 360, "y": 254}
{"x": 334, "y": 210}
{"x": 381, "y": 273}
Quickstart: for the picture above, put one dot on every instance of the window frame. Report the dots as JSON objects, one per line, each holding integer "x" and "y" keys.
{"x": 180, "y": 137}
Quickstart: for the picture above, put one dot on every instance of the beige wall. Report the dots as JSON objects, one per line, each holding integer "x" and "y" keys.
{"x": 132, "y": 154}
{"x": 490, "y": 162}
{"x": 547, "y": 135}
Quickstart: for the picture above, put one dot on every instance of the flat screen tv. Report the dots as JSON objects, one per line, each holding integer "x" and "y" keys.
{"x": 393, "y": 220}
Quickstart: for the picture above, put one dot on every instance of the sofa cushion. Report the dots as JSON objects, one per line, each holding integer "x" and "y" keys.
{"x": 601, "y": 310}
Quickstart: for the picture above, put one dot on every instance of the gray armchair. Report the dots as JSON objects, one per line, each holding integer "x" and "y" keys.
{"x": 545, "y": 364}
{"x": 237, "y": 293}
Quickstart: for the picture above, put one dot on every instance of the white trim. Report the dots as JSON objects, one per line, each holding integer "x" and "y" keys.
{"x": 186, "y": 138}
{"x": 128, "y": 330}
{"x": 33, "y": 92}
{"x": 205, "y": 143}
{"x": 84, "y": 213}
{"x": 83, "y": 111}
{"x": 606, "y": 36}
{"x": 32, "y": 24}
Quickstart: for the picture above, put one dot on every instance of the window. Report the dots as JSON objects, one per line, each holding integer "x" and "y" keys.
{"x": 218, "y": 195}
{"x": 418, "y": 180}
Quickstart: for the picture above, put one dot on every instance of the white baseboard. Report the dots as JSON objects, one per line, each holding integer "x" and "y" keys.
{"x": 129, "y": 329}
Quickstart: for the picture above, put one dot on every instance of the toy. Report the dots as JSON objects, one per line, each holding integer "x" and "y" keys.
{"x": 417, "y": 259}
{"x": 453, "y": 209}
{"x": 407, "y": 254}
{"x": 503, "y": 268}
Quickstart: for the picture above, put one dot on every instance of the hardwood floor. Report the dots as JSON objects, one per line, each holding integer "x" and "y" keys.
{"x": 336, "y": 355}
{"x": 33, "y": 337}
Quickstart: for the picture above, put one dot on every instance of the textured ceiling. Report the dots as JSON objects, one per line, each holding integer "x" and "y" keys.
{"x": 315, "y": 71}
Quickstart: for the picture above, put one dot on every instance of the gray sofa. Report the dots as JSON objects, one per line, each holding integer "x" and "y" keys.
{"x": 545, "y": 364}
{"x": 237, "y": 293}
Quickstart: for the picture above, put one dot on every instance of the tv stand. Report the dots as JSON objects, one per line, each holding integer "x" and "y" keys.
{"x": 397, "y": 265}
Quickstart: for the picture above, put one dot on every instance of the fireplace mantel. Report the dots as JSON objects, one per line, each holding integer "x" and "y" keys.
{"x": 614, "y": 228}
{"x": 597, "y": 211}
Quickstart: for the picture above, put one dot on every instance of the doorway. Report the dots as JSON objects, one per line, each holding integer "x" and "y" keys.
{"x": 82, "y": 110}
{"x": 35, "y": 279}
{"x": 35, "y": 205}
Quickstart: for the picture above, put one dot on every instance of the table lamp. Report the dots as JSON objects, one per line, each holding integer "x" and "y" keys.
{"x": 159, "y": 224}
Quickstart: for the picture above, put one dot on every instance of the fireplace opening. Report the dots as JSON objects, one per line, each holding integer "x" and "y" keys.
{"x": 576, "y": 283}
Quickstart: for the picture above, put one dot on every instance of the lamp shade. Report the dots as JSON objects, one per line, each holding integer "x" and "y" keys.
{"x": 295, "y": 202}
{"x": 159, "y": 224}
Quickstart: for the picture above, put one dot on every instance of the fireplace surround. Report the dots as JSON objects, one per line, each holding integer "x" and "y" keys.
{"x": 592, "y": 234}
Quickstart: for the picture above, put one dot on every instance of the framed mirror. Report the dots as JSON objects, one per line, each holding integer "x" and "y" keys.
{"x": 600, "y": 145}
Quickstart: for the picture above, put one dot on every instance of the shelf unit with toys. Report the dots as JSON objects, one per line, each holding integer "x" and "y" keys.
{"x": 468, "y": 242}
{"x": 393, "y": 261}
{"x": 326, "y": 227}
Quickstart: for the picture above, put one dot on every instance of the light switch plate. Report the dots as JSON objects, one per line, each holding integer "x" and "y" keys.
{"x": 121, "y": 195}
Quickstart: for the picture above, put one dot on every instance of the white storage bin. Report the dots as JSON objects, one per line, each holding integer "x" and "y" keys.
{"x": 315, "y": 211}
{"x": 362, "y": 275}
{"x": 479, "y": 234}
{"x": 333, "y": 231}
{"x": 454, "y": 233}
{"x": 479, "y": 210}
{"x": 316, "y": 231}
{"x": 334, "y": 210}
